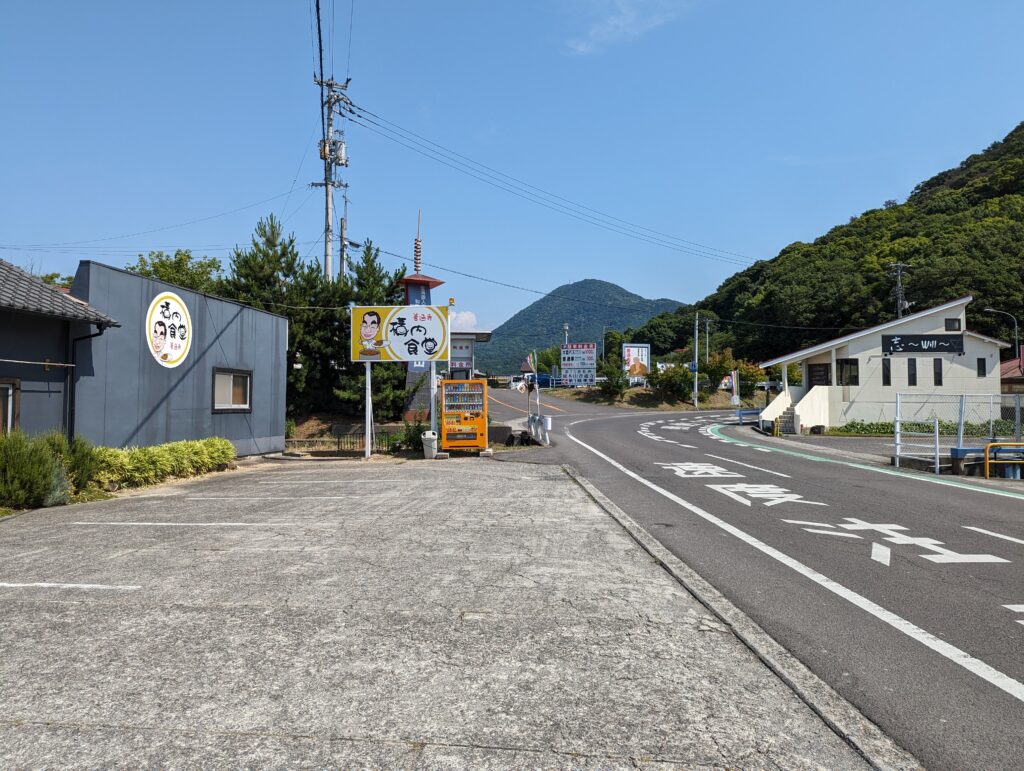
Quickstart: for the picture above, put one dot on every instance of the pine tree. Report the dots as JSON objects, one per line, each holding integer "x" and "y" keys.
{"x": 271, "y": 276}
{"x": 372, "y": 284}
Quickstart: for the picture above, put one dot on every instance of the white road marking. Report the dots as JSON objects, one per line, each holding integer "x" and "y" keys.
{"x": 268, "y": 498}
{"x": 997, "y": 535}
{"x": 805, "y": 522}
{"x": 772, "y": 495}
{"x": 192, "y": 524}
{"x": 68, "y": 586}
{"x": 961, "y": 658}
{"x": 699, "y": 470}
{"x": 756, "y": 468}
{"x": 830, "y": 532}
{"x": 352, "y": 481}
{"x": 1015, "y": 608}
{"x": 881, "y": 553}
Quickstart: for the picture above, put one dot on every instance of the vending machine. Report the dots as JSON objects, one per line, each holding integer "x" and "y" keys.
{"x": 463, "y": 414}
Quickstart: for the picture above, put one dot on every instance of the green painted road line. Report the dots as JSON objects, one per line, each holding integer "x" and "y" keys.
{"x": 715, "y": 429}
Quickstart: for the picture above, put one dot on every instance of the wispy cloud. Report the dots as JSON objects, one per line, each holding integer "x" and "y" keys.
{"x": 616, "y": 21}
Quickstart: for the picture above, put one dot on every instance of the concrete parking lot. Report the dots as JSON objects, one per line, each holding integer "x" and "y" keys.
{"x": 445, "y": 614}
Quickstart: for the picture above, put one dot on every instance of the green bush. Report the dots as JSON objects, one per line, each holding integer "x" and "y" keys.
{"x": 289, "y": 428}
{"x": 28, "y": 471}
{"x": 46, "y": 470}
{"x": 410, "y": 437}
{"x": 141, "y": 466}
{"x": 672, "y": 384}
{"x": 615, "y": 382}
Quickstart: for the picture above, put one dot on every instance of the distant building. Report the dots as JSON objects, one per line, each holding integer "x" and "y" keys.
{"x": 125, "y": 360}
{"x": 857, "y": 377}
{"x": 1011, "y": 376}
{"x": 462, "y": 364}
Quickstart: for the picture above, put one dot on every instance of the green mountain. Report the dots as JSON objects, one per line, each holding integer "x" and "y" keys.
{"x": 960, "y": 232}
{"x": 586, "y": 306}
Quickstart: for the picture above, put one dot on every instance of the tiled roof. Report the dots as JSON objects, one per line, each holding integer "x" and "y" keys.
{"x": 21, "y": 291}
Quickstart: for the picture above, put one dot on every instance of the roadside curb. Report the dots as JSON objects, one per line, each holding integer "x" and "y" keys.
{"x": 841, "y": 716}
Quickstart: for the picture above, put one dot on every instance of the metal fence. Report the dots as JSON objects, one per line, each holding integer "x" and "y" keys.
{"x": 929, "y": 426}
{"x": 383, "y": 441}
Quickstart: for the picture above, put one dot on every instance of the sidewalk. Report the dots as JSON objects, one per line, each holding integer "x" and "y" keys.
{"x": 401, "y": 615}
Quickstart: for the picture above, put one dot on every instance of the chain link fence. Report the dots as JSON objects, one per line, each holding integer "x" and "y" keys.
{"x": 929, "y": 427}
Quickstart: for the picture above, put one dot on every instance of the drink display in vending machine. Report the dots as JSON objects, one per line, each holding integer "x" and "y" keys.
{"x": 463, "y": 414}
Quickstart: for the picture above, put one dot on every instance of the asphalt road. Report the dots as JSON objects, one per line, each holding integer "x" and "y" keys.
{"x": 902, "y": 591}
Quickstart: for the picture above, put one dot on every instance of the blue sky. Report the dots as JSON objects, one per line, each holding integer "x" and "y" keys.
{"x": 741, "y": 126}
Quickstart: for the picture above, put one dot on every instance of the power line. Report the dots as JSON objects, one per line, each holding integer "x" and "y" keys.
{"x": 320, "y": 48}
{"x": 160, "y": 230}
{"x": 362, "y": 113}
{"x": 351, "y": 18}
{"x": 560, "y": 208}
{"x": 577, "y": 299}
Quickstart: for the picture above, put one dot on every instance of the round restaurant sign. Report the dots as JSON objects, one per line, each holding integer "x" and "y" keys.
{"x": 168, "y": 330}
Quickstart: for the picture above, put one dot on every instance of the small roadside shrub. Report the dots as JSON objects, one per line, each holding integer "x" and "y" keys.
{"x": 410, "y": 437}
{"x": 82, "y": 463}
{"x": 289, "y": 428}
{"x": 220, "y": 451}
{"x": 27, "y": 471}
{"x": 616, "y": 382}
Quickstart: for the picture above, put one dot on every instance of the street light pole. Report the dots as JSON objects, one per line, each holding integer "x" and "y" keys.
{"x": 1016, "y": 337}
{"x": 565, "y": 326}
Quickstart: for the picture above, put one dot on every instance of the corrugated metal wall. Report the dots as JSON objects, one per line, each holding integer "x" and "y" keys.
{"x": 124, "y": 397}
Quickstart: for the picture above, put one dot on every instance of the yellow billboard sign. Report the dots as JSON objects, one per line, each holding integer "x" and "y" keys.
{"x": 400, "y": 333}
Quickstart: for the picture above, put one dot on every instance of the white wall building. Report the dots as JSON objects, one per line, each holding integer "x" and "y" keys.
{"x": 857, "y": 377}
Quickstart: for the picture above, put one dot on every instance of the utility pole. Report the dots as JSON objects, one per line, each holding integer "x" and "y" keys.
{"x": 897, "y": 269}
{"x": 707, "y": 340}
{"x": 565, "y": 326}
{"x": 333, "y": 153}
{"x": 696, "y": 353}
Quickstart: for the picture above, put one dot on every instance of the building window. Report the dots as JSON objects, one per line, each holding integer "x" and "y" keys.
{"x": 911, "y": 372}
{"x": 887, "y": 372}
{"x": 952, "y": 325}
{"x": 937, "y": 369}
{"x": 847, "y": 372}
{"x": 982, "y": 367}
{"x": 232, "y": 390}
{"x": 8, "y": 406}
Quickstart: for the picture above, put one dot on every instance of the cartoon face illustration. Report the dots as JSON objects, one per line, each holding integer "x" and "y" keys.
{"x": 165, "y": 309}
{"x": 173, "y": 331}
{"x": 182, "y": 332}
{"x": 418, "y": 331}
{"x": 398, "y": 328}
{"x": 412, "y": 347}
{"x": 369, "y": 328}
{"x": 429, "y": 345}
{"x": 159, "y": 336}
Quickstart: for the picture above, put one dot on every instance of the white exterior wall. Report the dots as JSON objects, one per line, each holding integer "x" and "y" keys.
{"x": 871, "y": 401}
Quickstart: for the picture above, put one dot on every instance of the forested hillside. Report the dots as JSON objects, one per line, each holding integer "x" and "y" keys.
{"x": 960, "y": 232}
{"x": 586, "y": 306}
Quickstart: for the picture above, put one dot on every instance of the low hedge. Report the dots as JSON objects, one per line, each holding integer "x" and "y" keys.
{"x": 47, "y": 470}
{"x": 946, "y": 428}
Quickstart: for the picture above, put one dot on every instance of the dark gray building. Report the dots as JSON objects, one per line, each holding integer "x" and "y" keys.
{"x": 176, "y": 364}
{"x": 38, "y": 330}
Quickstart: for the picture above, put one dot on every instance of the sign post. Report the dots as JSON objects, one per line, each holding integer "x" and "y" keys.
{"x": 579, "y": 364}
{"x": 409, "y": 333}
{"x": 368, "y": 439}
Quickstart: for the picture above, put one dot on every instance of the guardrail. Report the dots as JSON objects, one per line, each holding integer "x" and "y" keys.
{"x": 1019, "y": 452}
